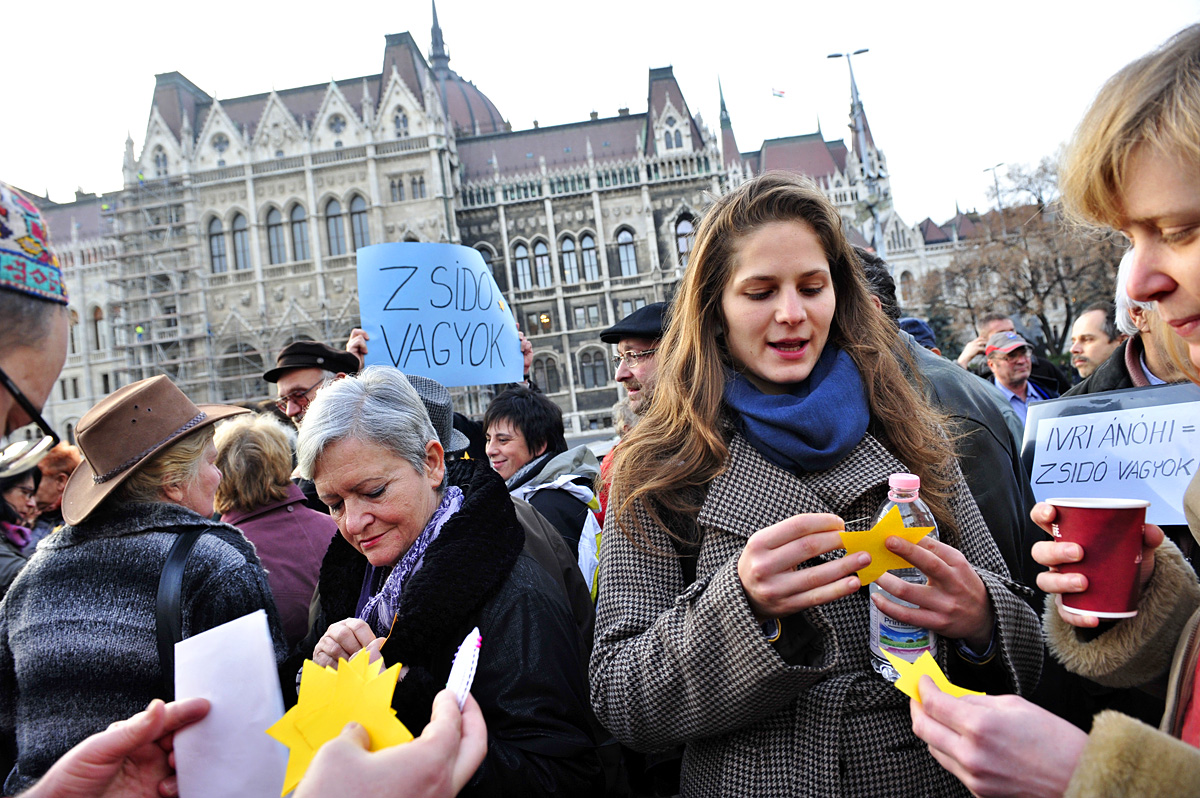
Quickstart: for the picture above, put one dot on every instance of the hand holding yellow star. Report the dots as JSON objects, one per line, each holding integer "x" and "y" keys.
{"x": 358, "y": 691}
{"x": 926, "y": 665}
{"x": 872, "y": 542}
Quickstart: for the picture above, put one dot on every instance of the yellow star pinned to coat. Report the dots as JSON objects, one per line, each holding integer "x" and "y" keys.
{"x": 359, "y": 691}
{"x": 926, "y": 665}
{"x": 871, "y": 541}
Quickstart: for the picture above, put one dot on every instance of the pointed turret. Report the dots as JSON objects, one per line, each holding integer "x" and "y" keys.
{"x": 129, "y": 166}
{"x": 439, "y": 59}
{"x": 187, "y": 138}
{"x": 729, "y": 148}
{"x": 368, "y": 105}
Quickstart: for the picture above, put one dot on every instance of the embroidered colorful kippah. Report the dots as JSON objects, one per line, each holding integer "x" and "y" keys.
{"x": 27, "y": 264}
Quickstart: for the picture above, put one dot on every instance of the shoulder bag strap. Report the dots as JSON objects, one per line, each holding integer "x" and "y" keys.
{"x": 168, "y": 614}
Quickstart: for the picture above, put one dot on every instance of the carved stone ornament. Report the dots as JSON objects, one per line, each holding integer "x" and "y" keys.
{"x": 278, "y": 294}
{"x": 339, "y": 285}
{"x": 306, "y": 290}
{"x": 219, "y": 301}
{"x": 245, "y": 298}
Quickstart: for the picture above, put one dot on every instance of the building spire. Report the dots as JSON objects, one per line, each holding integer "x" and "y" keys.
{"x": 725, "y": 122}
{"x": 439, "y": 59}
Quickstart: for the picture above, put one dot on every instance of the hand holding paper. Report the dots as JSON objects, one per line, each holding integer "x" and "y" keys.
{"x": 926, "y": 665}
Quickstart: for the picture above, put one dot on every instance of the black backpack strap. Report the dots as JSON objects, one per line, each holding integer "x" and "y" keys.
{"x": 168, "y": 613}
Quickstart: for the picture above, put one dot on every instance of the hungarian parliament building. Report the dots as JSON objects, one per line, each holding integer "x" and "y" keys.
{"x": 236, "y": 228}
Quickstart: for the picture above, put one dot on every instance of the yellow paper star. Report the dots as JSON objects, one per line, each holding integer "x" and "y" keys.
{"x": 359, "y": 691}
{"x": 871, "y": 541}
{"x": 926, "y": 665}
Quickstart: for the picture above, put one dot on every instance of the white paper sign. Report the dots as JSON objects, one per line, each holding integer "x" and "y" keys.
{"x": 229, "y": 753}
{"x": 1148, "y": 453}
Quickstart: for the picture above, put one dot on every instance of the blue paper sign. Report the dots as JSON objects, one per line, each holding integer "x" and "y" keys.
{"x": 436, "y": 311}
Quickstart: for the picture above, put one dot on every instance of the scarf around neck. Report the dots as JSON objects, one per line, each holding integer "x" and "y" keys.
{"x": 813, "y": 426}
{"x": 15, "y": 534}
{"x": 379, "y": 609}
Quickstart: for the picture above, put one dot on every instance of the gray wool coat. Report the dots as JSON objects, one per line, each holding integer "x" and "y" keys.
{"x": 77, "y": 628}
{"x": 675, "y": 665}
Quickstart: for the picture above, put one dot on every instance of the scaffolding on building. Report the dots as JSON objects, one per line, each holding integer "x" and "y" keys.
{"x": 163, "y": 324}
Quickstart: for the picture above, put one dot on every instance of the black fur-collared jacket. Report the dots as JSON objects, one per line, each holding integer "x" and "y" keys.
{"x": 530, "y": 683}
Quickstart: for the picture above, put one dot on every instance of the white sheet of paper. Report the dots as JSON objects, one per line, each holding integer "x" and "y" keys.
{"x": 228, "y": 753}
{"x": 1141, "y": 453}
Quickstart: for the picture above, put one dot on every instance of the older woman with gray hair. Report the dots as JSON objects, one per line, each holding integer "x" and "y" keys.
{"x": 1144, "y": 359}
{"x": 419, "y": 563}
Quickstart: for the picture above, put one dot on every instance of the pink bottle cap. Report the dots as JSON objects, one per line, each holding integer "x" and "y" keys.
{"x": 904, "y": 482}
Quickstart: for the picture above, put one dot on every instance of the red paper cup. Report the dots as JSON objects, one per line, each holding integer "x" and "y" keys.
{"x": 1110, "y": 533}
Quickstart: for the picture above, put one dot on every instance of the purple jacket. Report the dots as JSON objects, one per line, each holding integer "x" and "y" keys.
{"x": 291, "y": 540}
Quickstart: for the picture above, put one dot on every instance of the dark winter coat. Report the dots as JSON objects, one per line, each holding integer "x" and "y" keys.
{"x": 530, "y": 683}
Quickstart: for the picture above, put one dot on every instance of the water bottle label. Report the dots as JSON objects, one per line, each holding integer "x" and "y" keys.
{"x": 901, "y": 639}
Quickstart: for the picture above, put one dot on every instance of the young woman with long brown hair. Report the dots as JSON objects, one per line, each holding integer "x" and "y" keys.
{"x": 728, "y": 620}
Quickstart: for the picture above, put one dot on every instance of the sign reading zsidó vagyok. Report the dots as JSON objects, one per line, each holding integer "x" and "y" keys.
{"x": 1128, "y": 447}
{"x": 436, "y": 311}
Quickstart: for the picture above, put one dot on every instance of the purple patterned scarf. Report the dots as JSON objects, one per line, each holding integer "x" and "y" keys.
{"x": 380, "y": 609}
{"x": 16, "y": 535}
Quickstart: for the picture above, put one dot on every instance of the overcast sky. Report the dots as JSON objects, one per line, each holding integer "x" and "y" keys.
{"x": 950, "y": 88}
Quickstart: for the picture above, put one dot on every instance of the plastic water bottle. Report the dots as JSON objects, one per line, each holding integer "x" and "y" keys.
{"x": 901, "y": 639}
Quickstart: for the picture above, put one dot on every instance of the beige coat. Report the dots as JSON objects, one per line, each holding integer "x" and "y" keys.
{"x": 1125, "y": 758}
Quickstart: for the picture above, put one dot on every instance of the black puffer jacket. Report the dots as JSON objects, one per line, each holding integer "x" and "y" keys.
{"x": 529, "y": 683}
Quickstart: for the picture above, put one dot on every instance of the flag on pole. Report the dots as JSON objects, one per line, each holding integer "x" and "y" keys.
{"x": 777, "y": 92}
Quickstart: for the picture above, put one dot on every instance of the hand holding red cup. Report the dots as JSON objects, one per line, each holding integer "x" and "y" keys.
{"x": 1098, "y": 562}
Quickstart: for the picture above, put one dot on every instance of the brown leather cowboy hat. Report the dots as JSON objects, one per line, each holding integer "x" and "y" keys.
{"x": 123, "y": 431}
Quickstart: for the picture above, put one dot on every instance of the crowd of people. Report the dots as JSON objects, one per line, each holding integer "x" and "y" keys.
{"x": 682, "y": 618}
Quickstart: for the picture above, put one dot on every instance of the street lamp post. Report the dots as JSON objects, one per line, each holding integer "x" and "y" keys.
{"x": 999, "y": 203}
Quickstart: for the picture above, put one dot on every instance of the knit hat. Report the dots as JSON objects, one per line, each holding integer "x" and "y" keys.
{"x": 918, "y": 329}
{"x": 27, "y": 264}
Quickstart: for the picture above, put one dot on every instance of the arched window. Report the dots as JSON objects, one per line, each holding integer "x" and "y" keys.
{"x": 593, "y": 369}
{"x": 216, "y": 247}
{"x": 299, "y": 233}
{"x": 521, "y": 264}
{"x": 627, "y": 253}
{"x": 160, "y": 161}
{"x": 276, "y": 247}
{"x": 667, "y": 141}
{"x": 241, "y": 243}
{"x": 96, "y": 335}
{"x": 74, "y": 343}
{"x": 401, "y": 122}
{"x": 358, "y": 222}
{"x": 587, "y": 250}
{"x": 908, "y": 288}
{"x": 545, "y": 374}
{"x": 683, "y": 239}
{"x": 541, "y": 264}
{"x": 335, "y": 229}
{"x": 397, "y": 185}
{"x": 488, "y": 257}
{"x": 678, "y": 139}
{"x": 570, "y": 265}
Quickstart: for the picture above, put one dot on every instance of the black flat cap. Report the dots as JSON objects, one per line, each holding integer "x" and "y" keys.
{"x": 312, "y": 355}
{"x": 645, "y": 322}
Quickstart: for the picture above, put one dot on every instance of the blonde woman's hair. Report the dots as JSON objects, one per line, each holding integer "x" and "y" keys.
{"x": 667, "y": 460}
{"x": 178, "y": 464}
{"x": 1153, "y": 101}
{"x": 254, "y": 455}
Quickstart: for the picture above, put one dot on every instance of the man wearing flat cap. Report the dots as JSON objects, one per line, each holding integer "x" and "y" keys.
{"x": 1009, "y": 356}
{"x": 637, "y": 336}
{"x": 303, "y": 367}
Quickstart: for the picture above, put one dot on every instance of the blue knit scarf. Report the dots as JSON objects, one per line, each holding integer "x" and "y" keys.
{"x": 812, "y": 427}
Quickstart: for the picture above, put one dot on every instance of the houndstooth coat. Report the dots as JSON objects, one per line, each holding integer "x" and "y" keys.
{"x": 691, "y": 666}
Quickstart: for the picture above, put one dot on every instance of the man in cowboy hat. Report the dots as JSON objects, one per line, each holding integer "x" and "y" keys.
{"x": 34, "y": 327}
{"x": 302, "y": 368}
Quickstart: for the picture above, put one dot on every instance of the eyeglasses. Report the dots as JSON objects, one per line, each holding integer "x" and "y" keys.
{"x": 631, "y": 359}
{"x": 299, "y": 397}
{"x": 20, "y": 456}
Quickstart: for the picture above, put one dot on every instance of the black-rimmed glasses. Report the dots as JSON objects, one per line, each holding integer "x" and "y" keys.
{"x": 631, "y": 359}
{"x": 299, "y": 397}
{"x": 20, "y": 456}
